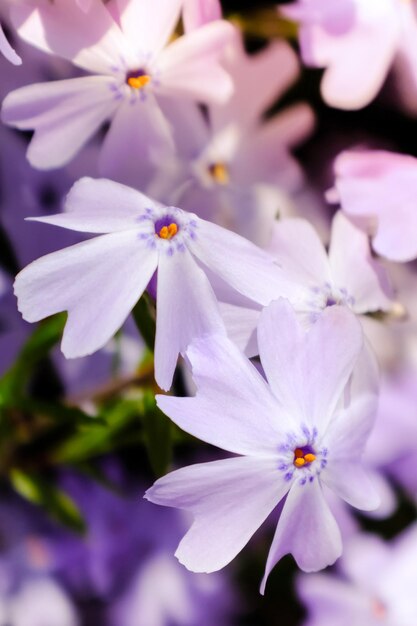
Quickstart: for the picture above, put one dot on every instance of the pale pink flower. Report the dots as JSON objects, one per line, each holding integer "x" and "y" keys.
{"x": 196, "y": 13}
{"x": 136, "y": 78}
{"x": 356, "y": 41}
{"x": 377, "y": 190}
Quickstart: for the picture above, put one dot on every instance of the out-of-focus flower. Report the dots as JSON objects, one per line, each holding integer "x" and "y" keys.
{"x": 197, "y": 13}
{"x": 316, "y": 280}
{"x": 26, "y": 191}
{"x": 99, "y": 281}
{"x": 357, "y": 41}
{"x": 126, "y": 560}
{"x": 300, "y": 434}
{"x": 163, "y": 592}
{"x": 38, "y": 602}
{"x": 7, "y": 51}
{"x": 84, "y": 4}
{"x": 29, "y": 595}
{"x": 235, "y": 168}
{"x": 377, "y": 586}
{"x": 392, "y": 446}
{"x": 136, "y": 78}
{"x": 377, "y": 190}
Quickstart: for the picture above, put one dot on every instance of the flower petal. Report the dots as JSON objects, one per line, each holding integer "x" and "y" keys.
{"x": 88, "y": 38}
{"x": 229, "y": 499}
{"x": 351, "y": 482}
{"x": 197, "y": 13}
{"x": 378, "y": 189}
{"x": 308, "y": 370}
{"x": 340, "y": 38}
{"x": 264, "y": 155}
{"x": 241, "y": 323}
{"x": 40, "y": 600}
{"x": 186, "y": 309}
{"x": 149, "y": 25}
{"x": 328, "y": 597}
{"x": 258, "y": 277}
{"x": 350, "y": 427}
{"x": 298, "y": 249}
{"x": 366, "y": 554}
{"x": 307, "y": 530}
{"x": 7, "y": 51}
{"x": 257, "y": 82}
{"x": 100, "y": 206}
{"x": 234, "y": 408}
{"x": 184, "y": 62}
{"x": 98, "y": 282}
{"x": 354, "y": 268}
{"x": 64, "y": 115}
{"x": 138, "y": 141}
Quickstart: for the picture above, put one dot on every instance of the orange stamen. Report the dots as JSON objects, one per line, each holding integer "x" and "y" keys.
{"x": 138, "y": 82}
{"x": 168, "y": 232}
{"x": 309, "y": 458}
{"x": 220, "y": 173}
{"x": 301, "y": 459}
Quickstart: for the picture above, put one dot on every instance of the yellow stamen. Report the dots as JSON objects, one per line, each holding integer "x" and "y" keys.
{"x": 138, "y": 82}
{"x": 301, "y": 458}
{"x": 309, "y": 458}
{"x": 220, "y": 173}
{"x": 299, "y": 462}
{"x": 168, "y": 232}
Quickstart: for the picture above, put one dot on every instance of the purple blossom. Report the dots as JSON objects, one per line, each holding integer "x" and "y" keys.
{"x": 376, "y": 586}
{"x": 126, "y": 557}
{"x": 299, "y": 434}
{"x": 356, "y": 41}
{"x": 162, "y": 593}
{"x": 377, "y": 191}
{"x": 7, "y": 51}
{"x": 392, "y": 446}
{"x": 100, "y": 280}
{"x": 347, "y": 276}
{"x": 196, "y": 13}
{"x": 235, "y": 168}
{"x": 134, "y": 77}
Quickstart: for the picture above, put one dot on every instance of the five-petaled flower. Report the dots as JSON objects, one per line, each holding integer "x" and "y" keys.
{"x": 137, "y": 81}
{"x": 100, "y": 280}
{"x": 299, "y": 434}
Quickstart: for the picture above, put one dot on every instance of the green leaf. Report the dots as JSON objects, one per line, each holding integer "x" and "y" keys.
{"x": 56, "y": 412}
{"x": 157, "y": 435}
{"x": 144, "y": 316}
{"x": 36, "y": 348}
{"x": 118, "y": 423}
{"x": 56, "y": 503}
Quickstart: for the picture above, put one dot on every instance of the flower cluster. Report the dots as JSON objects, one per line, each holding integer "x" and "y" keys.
{"x": 159, "y": 177}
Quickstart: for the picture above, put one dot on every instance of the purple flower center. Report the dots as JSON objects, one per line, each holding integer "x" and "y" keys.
{"x": 137, "y": 79}
{"x": 331, "y": 301}
{"x": 304, "y": 456}
{"x": 166, "y": 227}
